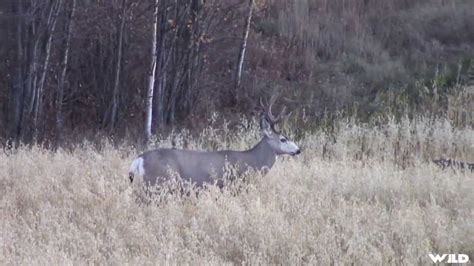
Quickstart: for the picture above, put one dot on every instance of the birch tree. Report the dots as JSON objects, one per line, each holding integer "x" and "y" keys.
{"x": 243, "y": 47}
{"x": 151, "y": 75}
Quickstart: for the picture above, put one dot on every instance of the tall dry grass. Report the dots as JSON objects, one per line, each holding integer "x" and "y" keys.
{"x": 360, "y": 194}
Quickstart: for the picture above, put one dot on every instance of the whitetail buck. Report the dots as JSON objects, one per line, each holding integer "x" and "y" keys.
{"x": 208, "y": 167}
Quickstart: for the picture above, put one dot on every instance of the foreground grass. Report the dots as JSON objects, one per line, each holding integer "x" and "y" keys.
{"x": 363, "y": 194}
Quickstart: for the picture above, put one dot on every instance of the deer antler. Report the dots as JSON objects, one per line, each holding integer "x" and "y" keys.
{"x": 267, "y": 109}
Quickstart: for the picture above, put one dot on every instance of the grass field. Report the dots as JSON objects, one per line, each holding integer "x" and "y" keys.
{"x": 360, "y": 194}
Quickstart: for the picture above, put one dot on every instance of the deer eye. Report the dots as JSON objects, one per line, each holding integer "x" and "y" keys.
{"x": 283, "y": 140}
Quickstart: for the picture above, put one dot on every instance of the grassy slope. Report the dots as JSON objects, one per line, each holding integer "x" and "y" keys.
{"x": 346, "y": 199}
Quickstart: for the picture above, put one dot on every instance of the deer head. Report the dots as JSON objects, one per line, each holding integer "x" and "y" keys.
{"x": 279, "y": 143}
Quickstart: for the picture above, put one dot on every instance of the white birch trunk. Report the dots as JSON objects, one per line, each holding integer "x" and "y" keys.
{"x": 243, "y": 47}
{"x": 151, "y": 76}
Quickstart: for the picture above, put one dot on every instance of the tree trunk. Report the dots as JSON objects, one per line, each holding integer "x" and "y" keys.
{"x": 161, "y": 71}
{"x": 52, "y": 19}
{"x": 32, "y": 75}
{"x": 18, "y": 86}
{"x": 151, "y": 75}
{"x": 243, "y": 46}
{"x": 160, "y": 100}
{"x": 64, "y": 64}
{"x": 115, "y": 94}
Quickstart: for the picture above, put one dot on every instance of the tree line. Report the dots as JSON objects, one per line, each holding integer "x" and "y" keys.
{"x": 101, "y": 64}
{"x": 72, "y": 69}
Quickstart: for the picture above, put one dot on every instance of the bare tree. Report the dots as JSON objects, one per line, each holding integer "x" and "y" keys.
{"x": 39, "y": 28}
{"x": 39, "y": 91}
{"x": 62, "y": 79}
{"x": 243, "y": 46}
{"x": 44, "y": 67}
{"x": 18, "y": 85}
{"x": 162, "y": 62}
{"x": 151, "y": 75}
{"x": 116, "y": 89}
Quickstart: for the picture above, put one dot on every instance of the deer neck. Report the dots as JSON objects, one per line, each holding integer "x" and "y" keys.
{"x": 262, "y": 154}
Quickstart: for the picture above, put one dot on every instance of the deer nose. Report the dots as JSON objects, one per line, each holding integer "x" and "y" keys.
{"x": 298, "y": 151}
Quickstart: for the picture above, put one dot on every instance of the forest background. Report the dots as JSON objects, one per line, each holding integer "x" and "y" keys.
{"x": 74, "y": 70}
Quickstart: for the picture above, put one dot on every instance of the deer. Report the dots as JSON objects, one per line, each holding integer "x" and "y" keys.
{"x": 201, "y": 168}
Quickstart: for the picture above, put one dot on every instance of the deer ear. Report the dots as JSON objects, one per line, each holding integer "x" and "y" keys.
{"x": 265, "y": 126}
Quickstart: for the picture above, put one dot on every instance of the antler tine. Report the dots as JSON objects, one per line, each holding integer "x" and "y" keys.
{"x": 282, "y": 113}
{"x": 262, "y": 104}
{"x": 263, "y": 108}
{"x": 267, "y": 109}
{"x": 270, "y": 115}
